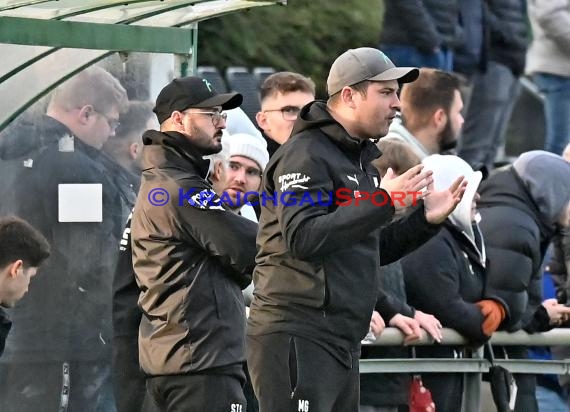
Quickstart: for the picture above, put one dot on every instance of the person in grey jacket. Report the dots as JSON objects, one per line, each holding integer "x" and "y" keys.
{"x": 191, "y": 257}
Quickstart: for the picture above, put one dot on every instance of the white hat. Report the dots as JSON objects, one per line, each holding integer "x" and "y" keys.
{"x": 246, "y": 145}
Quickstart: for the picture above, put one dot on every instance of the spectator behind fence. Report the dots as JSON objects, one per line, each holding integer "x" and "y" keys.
{"x": 62, "y": 330}
{"x": 421, "y": 33}
{"x": 495, "y": 90}
{"x": 431, "y": 117}
{"x": 453, "y": 288}
{"x": 191, "y": 256}
{"x": 282, "y": 95}
{"x": 548, "y": 62}
{"x": 317, "y": 267}
{"x": 388, "y": 392}
{"x": 22, "y": 251}
{"x": 522, "y": 207}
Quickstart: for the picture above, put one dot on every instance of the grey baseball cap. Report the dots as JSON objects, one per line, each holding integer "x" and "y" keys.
{"x": 366, "y": 63}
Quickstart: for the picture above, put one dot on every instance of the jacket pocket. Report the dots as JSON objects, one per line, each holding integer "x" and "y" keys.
{"x": 293, "y": 370}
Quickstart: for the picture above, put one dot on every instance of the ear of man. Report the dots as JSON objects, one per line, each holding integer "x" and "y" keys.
{"x": 14, "y": 268}
{"x": 440, "y": 119}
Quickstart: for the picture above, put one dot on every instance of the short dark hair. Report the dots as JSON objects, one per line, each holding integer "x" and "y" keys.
{"x": 285, "y": 82}
{"x": 360, "y": 87}
{"x": 434, "y": 89}
{"x": 20, "y": 240}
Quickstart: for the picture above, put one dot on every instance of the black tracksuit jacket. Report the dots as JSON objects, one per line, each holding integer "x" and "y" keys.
{"x": 317, "y": 265}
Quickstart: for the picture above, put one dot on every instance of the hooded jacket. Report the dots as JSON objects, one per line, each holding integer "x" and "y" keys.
{"x": 191, "y": 258}
{"x": 519, "y": 207}
{"x": 318, "y": 262}
{"x": 456, "y": 260}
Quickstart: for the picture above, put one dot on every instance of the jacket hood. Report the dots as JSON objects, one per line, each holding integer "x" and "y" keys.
{"x": 30, "y": 135}
{"x": 172, "y": 149}
{"x": 316, "y": 116}
{"x": 313, "y": 115}
{"x": 446, "y": 169}
{"x": 547, "y": 179}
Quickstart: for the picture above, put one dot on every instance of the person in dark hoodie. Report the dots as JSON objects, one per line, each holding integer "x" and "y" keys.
{"x": 22, "y": 251}
{"x": 191, "y": 257}
{"x": 316, "y": 279}
{"x": 453, "y": 288}
{"x": 522, "y": 207}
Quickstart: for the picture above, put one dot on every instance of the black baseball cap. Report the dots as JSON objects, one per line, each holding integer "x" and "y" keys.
{"x": 192, "y": 92}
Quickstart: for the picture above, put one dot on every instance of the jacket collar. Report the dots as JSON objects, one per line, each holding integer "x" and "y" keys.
{"x": 316, "y": 115}
{"x": 172, "y": 149}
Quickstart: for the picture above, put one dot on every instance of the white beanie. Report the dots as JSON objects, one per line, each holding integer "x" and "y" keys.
{"x": 246, "y": 145}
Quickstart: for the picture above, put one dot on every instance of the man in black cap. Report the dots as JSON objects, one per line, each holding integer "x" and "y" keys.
{"x": 316, "y": 282}
{"x": 191, "y": 258}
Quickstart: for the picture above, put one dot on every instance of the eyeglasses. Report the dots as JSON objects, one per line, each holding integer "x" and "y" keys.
{"x": 217, "y": 117}
{"x": 249, "y": 171}
{"x": 113, "y": 123}
{"x": 288, "y": 112}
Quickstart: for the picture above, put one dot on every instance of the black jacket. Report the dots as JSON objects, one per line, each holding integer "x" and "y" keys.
{"x": 67, "y": 314}
{"x": 509, "y": 34}
{"x": 5, "y": 325}
{"x": 423, "y": 24}
{"x": 445, "y": 277}
{"x": 191, "y": 258}
{"x": 471, "y": 55}
{"x": 516, "y": 243}
{"x": 317, "y": 266}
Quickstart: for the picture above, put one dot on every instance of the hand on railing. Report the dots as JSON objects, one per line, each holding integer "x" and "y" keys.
{"x": 409, "y": 327}
{"x": 377, "y": 324}
{"x": 431, "y": 325}
{"x": 494, "y": 314}
{"x": 557, "y": 312}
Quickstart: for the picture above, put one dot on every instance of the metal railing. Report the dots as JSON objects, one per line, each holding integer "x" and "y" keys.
{"x": 473, "y": 367}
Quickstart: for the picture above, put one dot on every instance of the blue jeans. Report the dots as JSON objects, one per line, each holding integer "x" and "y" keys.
{"x": 549, "y": 400}
{"x": 556, "y": 90}
{"x": 494, "y": 94}
{"x": 410, "y": 56}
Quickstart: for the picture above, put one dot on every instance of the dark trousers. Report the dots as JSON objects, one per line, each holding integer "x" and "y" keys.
{"x": 197, "y": 393}
{"x": 129, "y": 382}
{"x": 292, "y": 374}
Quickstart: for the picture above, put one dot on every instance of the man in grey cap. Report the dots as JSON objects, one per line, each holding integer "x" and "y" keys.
{"x": 316, "y": 279}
